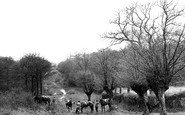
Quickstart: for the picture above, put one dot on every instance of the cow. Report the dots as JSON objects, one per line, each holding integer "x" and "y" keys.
{"x": 42, "y": 99}
{"x": 103, "y": 103}
{"x": 85, "y": 104}
{"x": 69, "y": 104}
{"x": 78, "y": 108}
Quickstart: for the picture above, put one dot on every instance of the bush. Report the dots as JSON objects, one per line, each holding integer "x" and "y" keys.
{"x": 176, "y": 100}
{"x": 132, "y": 102}
{"x": 17, "y": 98}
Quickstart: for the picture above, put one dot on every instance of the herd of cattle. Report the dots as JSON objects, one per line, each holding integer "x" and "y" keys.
{"x": 83, "y": 104}
{"x": 80, "y": 105}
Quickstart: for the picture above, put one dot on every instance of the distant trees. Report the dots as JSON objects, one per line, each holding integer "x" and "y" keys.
{"x": 27, "y": 73}
{"x": 68, "y": 70}
{"x": 86, "y": 77}
{"x": 86, "y": 80}
{"x": 33, "y": 68}
{"x": 77, "y": 72}
{"x": 106, "y": 67}
{"x": 6, "y": 67}
{"x": 157, "y": 42}
{"x": 93, "y": 72}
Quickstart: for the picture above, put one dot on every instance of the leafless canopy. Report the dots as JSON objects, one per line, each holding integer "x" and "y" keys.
{"x": 156, "y": 35}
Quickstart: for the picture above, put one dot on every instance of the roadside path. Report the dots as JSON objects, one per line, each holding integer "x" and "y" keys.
{"x": 64, "y": 94}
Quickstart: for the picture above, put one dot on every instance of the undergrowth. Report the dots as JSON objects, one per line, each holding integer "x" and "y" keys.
{"x": 17, "y": 98}
{"x": 132, "y": 102}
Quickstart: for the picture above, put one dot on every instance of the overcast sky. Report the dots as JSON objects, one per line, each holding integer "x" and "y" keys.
{"x": 56, "y": 28}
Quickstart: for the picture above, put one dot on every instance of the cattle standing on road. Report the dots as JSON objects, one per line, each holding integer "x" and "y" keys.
{"x": 87, "y": 104}
{"x": 103, "y": 103}
{"x": 42, "y": 99}
{"x": 69, "y": 104}
{"x": 78, "y": 108}
{"x": 96, "y": 105}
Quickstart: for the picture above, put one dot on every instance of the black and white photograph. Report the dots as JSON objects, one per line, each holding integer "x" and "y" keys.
{"x": 92, "y": 57}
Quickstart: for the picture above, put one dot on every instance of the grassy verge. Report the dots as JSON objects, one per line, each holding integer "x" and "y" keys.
{"x": 132, "y": 102}
{"x": 17, "y": 98}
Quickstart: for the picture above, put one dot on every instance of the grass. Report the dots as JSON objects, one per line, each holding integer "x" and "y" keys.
{"x": 17, "y": 98}
{"x": 132, "y": 102}
{"x": 17, "y": 102}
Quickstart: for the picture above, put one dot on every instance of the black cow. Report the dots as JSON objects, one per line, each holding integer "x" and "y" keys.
{"x": 78, "y": 108}
{"x": 103, "y": 103}
{"x": 87, "y": 104}
{"x": 42, "y": 99}
{"x": 37, "y": 99}
{"x": 46, "y": 99}
{"x": 69, "y": 104}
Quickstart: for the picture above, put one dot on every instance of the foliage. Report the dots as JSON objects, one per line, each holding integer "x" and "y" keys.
{"x": 68, "y": 70}
{"x": 156, "y": 42}
{"x": 132, "y": 102}
{"x": 106, "y": 67}
{"x": 92, "y": 72}
{"x": 34, "y": 68}
{"x": 86, "y": 80}
{"x": 17, "y": 98}
{"x": 6, "y": 68}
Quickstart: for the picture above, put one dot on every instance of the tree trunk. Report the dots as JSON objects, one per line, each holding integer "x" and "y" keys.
{"x": 40, "y": 84}
{"x": 144, "y": 97}
{"x": 37, "y": 85}
{"x": 88, "y": 95}
{"x": 141, "y": 90}
{"x": 110, "y": 95}
{"x": 128, "y": 89}
{"x": 161, "y": 98}
{"x": 26, "y": 82}
{"x": 32, "y": 85}
{"x": 7, "y": 75}
{"x": 109, "y": 92}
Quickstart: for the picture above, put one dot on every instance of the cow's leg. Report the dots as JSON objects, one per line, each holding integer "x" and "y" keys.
{"x": 81, "y": 109}
{"x": 67, "y": 109}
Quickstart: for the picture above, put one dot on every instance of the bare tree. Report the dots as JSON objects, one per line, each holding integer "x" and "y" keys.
{"x": 157, "y": 40}
{"x": 106, "y": 68}
{"x": 86, "y": 79}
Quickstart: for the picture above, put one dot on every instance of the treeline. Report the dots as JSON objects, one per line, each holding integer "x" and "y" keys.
{"x": 103, "y": 70}
{"x": 92, "y": 72}
{"x": 26, "y": 73}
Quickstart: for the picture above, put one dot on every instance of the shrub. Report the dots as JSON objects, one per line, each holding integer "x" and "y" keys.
{"x": 132, "y": 102}
{"x": 17, "y": 98}
{"x": 71, "y": 92}
{"x": 176, "y": 100}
